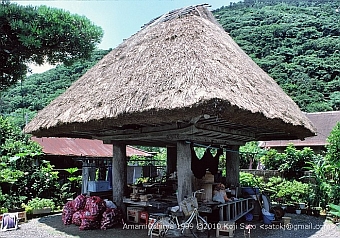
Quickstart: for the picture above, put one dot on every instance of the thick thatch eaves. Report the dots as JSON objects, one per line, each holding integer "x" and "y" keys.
{"x": 182, "y": 70}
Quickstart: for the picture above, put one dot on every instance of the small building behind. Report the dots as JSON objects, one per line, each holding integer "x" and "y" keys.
{"x": 64, "y": 153}
{"x": 324, "y": 122}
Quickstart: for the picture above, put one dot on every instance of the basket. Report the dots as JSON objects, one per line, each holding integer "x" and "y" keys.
{"x": 188, "y": 205}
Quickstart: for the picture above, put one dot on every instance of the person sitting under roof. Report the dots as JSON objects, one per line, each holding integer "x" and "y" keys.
{"x": 219, "y": 194}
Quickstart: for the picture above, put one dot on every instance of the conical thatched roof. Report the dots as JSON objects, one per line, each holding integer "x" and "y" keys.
{"x": 179, "y": 67}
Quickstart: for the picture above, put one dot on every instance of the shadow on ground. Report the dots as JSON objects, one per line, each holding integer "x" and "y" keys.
{"x": 301, "y": 226}
{"x": 118, "y": 231}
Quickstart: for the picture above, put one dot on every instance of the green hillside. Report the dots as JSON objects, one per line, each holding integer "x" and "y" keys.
{"x": 295, "y": 42}
{"x": 23, "y": 100}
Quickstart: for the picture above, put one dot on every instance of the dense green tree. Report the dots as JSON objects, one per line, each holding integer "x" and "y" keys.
{"x": 7, "y": 130}
{"x": 290, "y": 161}
{"x": 333, "y": 161}
{"x": 333, "y": 146}
{"x": 326, "y": 171}
{"x": 295, "y": 42}
{"x": 23, "y": 173}
{"x": 41, "y": 34}
{"x": 250, "y": 155}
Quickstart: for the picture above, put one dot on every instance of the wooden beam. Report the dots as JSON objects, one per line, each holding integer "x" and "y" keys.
{"x": 169, "y": 127}
{"x": 143, "y": 130}
{"x": 173, "y": 140}
{"x": 149, "y": 143}
{"x": 140, "y": 135}
{"x": 227, "y": 131}
{"x": 203, "y": 134}
{"x": 204, "y": 139}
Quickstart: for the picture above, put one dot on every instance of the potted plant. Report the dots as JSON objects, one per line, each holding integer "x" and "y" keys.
{"x": 291, "y": 208}
{"x": 2, "y": 211}
{"x": 298, "y": 209}
{"x": 27, "y": 208}
{"x": 335, "y": 211}
{"x": 40, "y": 206}
{"x": 249, "y": 184}
{"x": 309, "y": 211}
{"x": 72, "y": 186}
{"x": 316, "y": 211}
{"x": 14, "y": 203}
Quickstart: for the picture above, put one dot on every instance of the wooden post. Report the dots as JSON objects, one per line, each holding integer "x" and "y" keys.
{"x": 92, "y": 170}
{"x": 85, "y": 177}
{"x": 119, "y": 175}
{"x": 184, "y": 173}
{"x": 101, "y": 170}
{"x": 88, "y": 174}
{"x": 233, "y": 166}
{"x": 171, "y": 159}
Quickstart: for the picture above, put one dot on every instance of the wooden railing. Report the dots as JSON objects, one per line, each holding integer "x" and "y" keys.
{"x": 234, "y": 210}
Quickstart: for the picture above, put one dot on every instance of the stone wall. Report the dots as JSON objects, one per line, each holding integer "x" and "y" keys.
{"x": 266, "y": 174}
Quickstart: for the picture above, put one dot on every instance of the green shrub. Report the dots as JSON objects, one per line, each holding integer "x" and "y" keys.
{"x": 39, "y": 203}
{"x": 288, "y": 191}
{"x": 3, "y": 210}
{"x": 335, "y": 209}
{"x": 250, "y": 180}
{"x": 23, "y": 172}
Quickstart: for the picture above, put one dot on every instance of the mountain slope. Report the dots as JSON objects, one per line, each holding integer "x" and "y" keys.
{"x": 23, "y": 100}
{"x": 296, "y": 42}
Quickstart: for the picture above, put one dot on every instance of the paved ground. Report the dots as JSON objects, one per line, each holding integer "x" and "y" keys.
{"x": 302, "y": 226}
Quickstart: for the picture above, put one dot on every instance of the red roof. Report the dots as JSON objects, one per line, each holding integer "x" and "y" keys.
{"x": 324, "y": 122}
{"x": 82, "y": 147}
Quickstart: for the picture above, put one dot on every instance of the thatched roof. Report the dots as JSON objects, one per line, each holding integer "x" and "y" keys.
{"x": 176, "y": 69}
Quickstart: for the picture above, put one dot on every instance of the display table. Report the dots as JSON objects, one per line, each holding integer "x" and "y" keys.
{"x": 103, "y": 194}
{"x": 130, "y": 202}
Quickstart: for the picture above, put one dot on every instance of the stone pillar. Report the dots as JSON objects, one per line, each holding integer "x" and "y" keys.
{"x": 184, "y": 173}
{"x": 119, "y": 174}
{"x": 233, "y": 166}
{"x": 171, "y": 159}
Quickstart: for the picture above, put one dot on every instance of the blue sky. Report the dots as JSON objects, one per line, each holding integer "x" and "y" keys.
{"x": 121, "y": 18}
